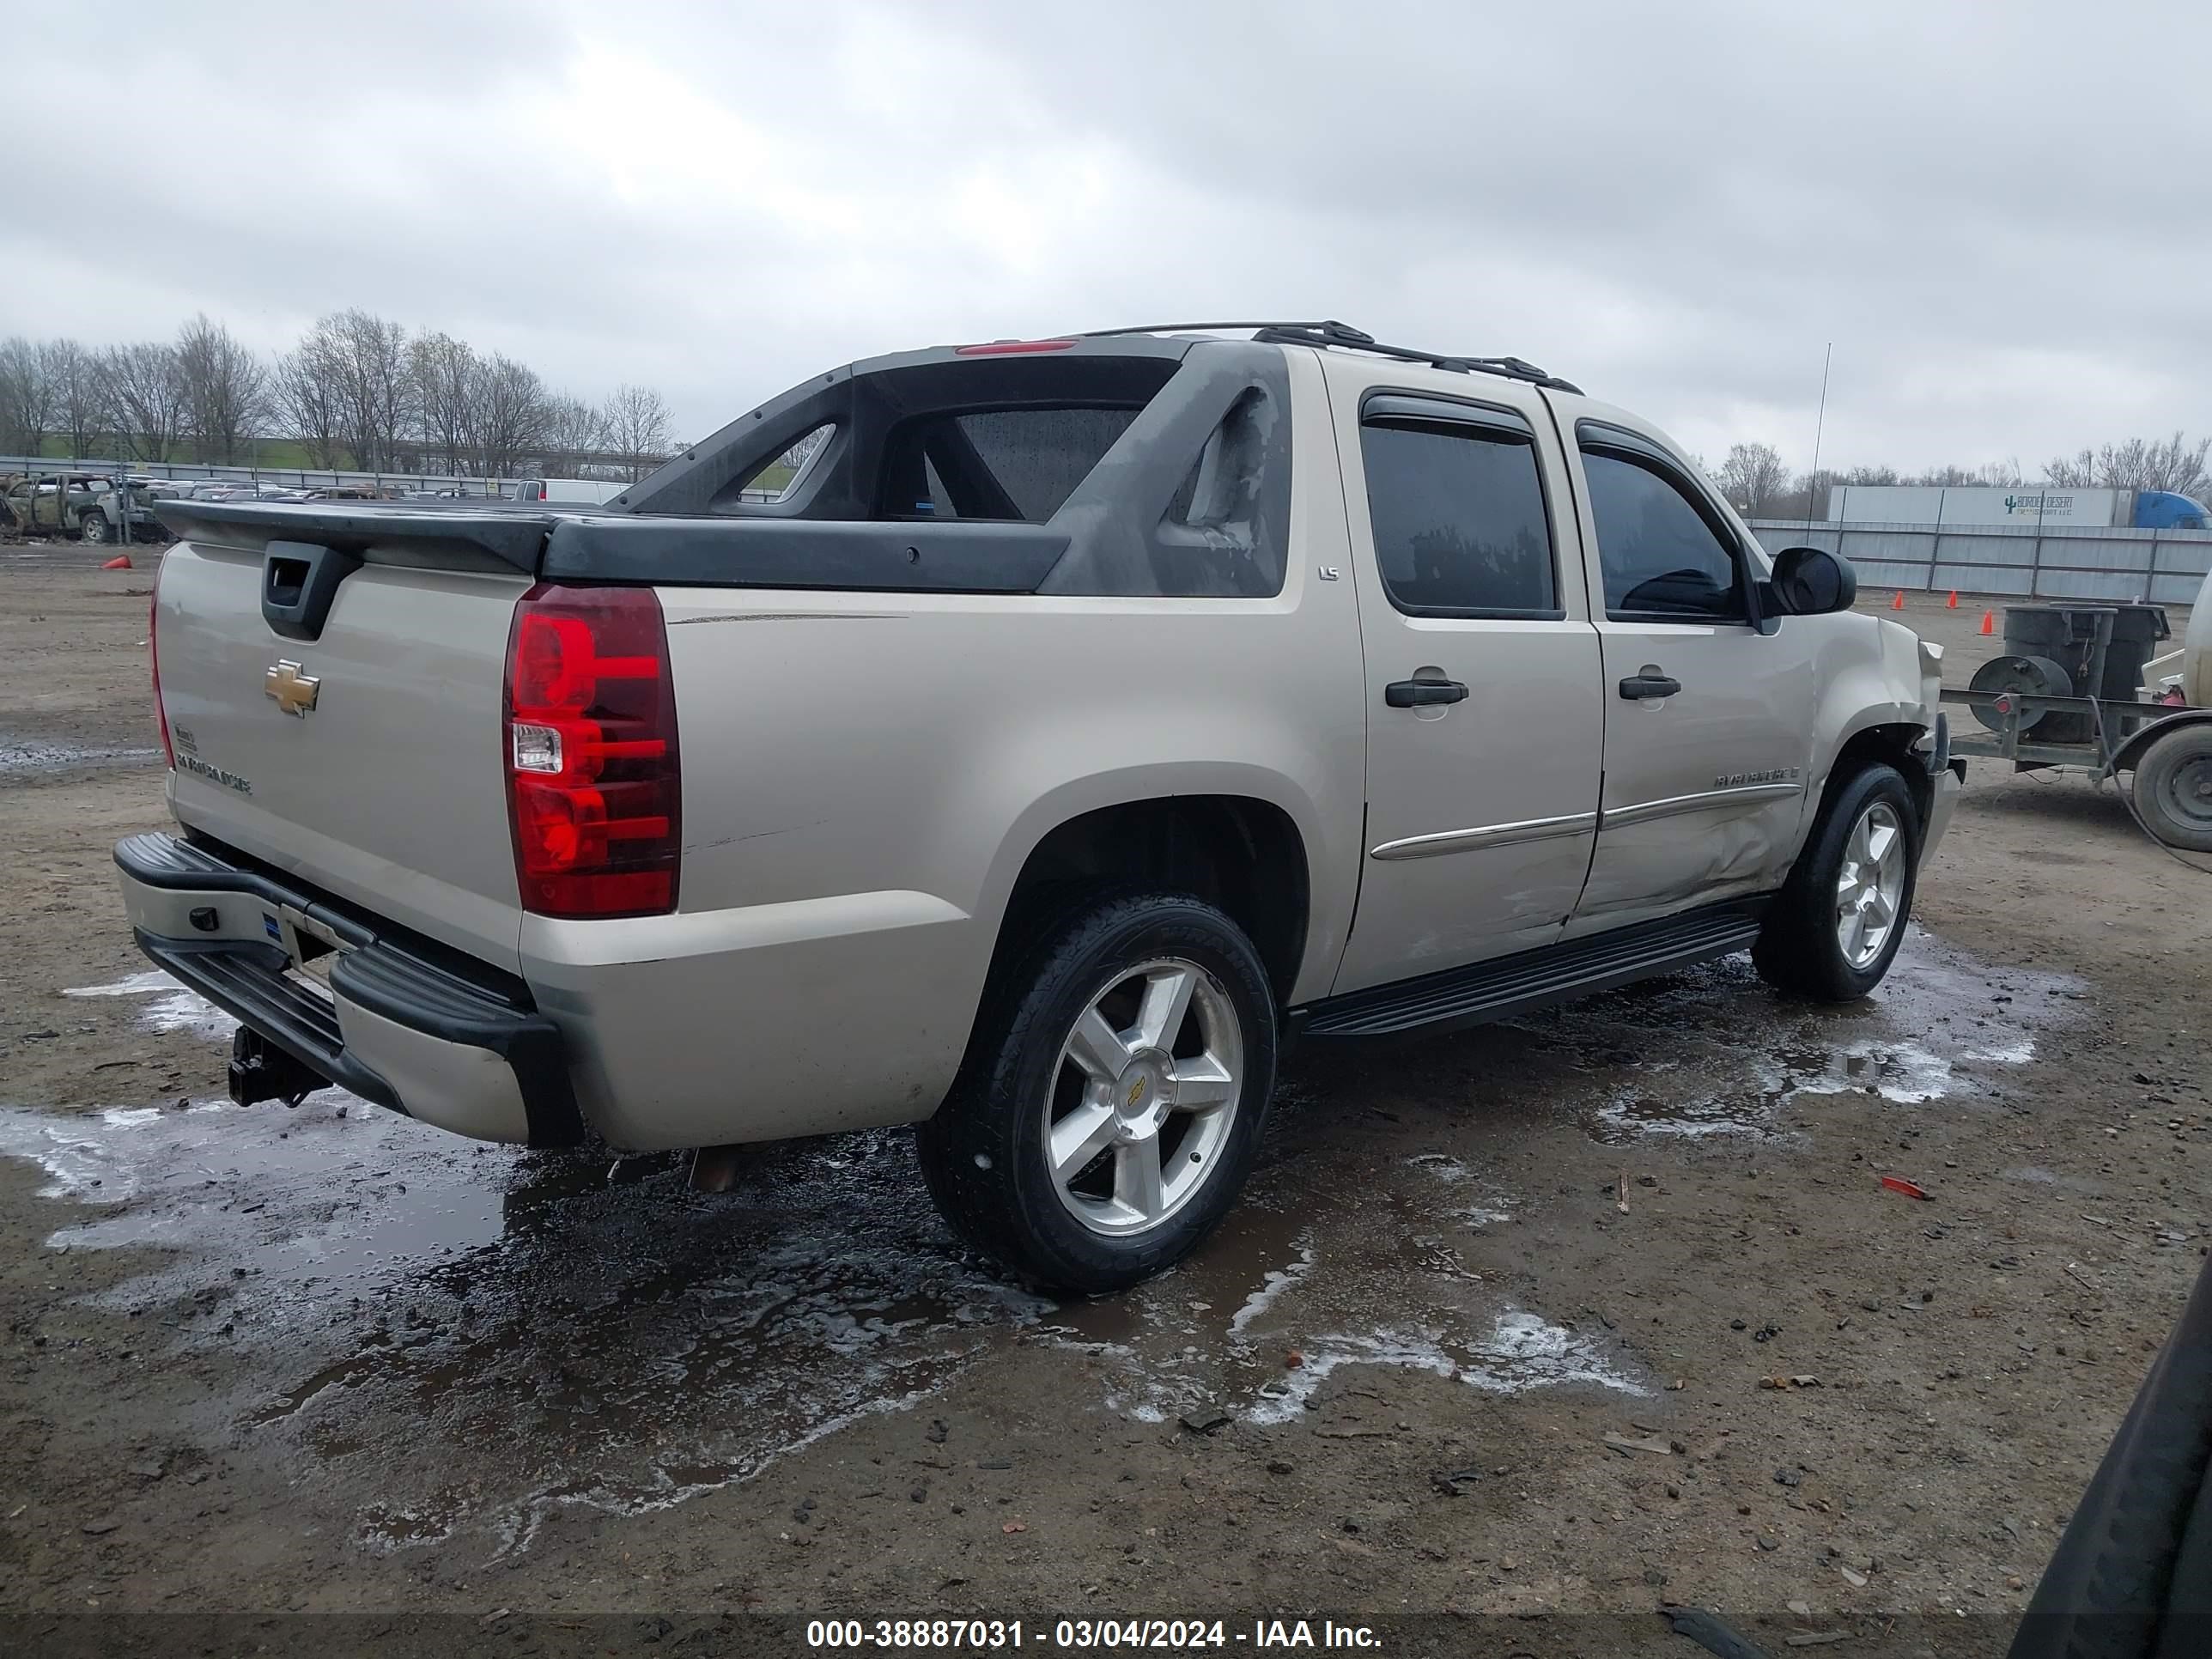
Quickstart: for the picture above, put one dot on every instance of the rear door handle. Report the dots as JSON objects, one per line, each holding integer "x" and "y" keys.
{"x": 1415, "y": 694}
{"x": 1650, "y": 686}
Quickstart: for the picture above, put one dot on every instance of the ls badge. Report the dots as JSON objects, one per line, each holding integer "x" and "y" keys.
{"x": 294, "y": 692}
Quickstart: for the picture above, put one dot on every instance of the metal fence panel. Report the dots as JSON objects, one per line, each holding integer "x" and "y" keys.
{"x": 2167, "y": 567}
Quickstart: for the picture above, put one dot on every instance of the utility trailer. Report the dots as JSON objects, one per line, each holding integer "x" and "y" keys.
{"x": 2077, "y": 687}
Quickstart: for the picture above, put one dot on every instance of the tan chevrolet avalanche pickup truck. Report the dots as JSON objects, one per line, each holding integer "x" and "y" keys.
{"x": 1022, "y": 741}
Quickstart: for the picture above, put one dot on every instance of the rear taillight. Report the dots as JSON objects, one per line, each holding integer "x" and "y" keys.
{"x": 594, "y": 792}
{"x": 153, "y": 654}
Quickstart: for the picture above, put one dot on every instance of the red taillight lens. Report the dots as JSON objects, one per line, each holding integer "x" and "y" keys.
{"x": 153, "y": 654}
{"x": 594, "y": 790}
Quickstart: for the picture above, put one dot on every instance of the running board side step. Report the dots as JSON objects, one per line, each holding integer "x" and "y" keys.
{"x": 1506, "y": 986}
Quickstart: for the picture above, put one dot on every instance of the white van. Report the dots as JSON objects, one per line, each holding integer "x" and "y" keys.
{"x": 567, "y": 490}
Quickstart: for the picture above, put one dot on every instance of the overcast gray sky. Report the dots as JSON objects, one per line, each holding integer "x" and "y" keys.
{"x": 1999, "y": 212}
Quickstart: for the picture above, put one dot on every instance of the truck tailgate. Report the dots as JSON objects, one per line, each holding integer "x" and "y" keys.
{"x": 367, "y": 761}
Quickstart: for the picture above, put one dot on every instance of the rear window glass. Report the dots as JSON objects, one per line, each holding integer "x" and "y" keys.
{"x": 999, "y": 462}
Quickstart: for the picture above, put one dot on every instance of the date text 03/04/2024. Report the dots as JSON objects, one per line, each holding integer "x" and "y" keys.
{"x": 1084, "y": 1633}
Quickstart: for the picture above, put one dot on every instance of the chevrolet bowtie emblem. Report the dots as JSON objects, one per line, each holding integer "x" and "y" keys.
{"x": 294, "y": 692}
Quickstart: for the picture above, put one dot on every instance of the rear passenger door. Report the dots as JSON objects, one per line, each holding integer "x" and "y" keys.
{"x": 1484, "y": 717}
{"x": 1708, "y": 717}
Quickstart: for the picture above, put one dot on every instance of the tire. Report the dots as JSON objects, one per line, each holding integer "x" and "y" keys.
{"x": 1062, "y": 1044}
{"x": 93, "y": 528}
{"x": 2173, "y": 787}
{"x": 1808, "y": 946}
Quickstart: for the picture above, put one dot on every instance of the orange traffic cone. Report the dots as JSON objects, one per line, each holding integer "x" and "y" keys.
{"x": 1897, "y": 602}
{"x": 1989, "y": 622}
{"x": 1952, "y": 604}
{"x": 120, "y": 562}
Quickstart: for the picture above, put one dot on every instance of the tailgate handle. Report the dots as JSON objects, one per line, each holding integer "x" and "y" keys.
{"x": 299, "y": 580}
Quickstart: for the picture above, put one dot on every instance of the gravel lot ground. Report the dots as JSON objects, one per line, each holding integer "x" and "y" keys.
{"x": 1484, "y": 1350}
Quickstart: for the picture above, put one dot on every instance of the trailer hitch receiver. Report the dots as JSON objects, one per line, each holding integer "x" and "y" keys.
{"x": 260, "y": 1070}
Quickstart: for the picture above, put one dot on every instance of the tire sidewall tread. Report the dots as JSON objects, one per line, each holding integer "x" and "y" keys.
{"x": 1797, "y": 950}
{"x": 2165, "y": 755}
{"x": 1007, "y": 1206}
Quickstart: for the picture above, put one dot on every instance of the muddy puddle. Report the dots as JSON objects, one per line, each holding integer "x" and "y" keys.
{"x": 448, "y": 1337}
{"x": 1692, "y": 1059}
{"x": 30, "y": 756}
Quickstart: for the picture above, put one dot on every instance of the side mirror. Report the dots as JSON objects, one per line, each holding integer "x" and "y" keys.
{"x": 1811, "y": 582}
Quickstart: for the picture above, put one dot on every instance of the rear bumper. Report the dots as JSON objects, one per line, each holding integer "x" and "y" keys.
{"x": 407, "y": 1025}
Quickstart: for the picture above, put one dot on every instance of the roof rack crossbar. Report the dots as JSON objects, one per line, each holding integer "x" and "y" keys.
{"x": 1343, "y": 335}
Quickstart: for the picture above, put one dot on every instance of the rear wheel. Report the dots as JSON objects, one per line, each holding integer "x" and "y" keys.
{"x": 1112, "y": 1096}
{"x": 1837, "y": 924}
{"x": 91, "y": 527}
{"x": 2173, "y": 788}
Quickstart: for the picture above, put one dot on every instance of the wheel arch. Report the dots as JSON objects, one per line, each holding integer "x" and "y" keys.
{"x": 1245, "y": 853}
{"x": 2130, "y": 752}
{"x": 1890, "y": 742}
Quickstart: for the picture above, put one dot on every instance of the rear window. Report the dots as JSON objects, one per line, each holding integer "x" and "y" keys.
{"x": 1017, "y": 464}
{"x": 1005, "y": 439}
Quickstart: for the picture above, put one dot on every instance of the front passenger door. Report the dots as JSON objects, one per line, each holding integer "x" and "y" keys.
{"x": 1709, "y": 720}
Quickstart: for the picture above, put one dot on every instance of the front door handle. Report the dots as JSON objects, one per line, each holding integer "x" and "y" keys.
{"x": 1415, "y": 694}
{"x": 1648, "y": 685}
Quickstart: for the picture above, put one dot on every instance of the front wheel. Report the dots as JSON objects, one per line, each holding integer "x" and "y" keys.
{"x": 2173, "y": 787}
{"x": 1836, "y": 926}
{"x": 93, "y": 528}
{"x": 1112, "y": 1098}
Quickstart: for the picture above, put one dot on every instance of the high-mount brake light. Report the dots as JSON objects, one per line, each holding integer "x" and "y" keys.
{"x": 1009, "y": 347}
{"x": 594, "y": 793}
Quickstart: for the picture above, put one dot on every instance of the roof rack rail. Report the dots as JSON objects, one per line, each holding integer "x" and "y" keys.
{"x": 1343, "y": 335}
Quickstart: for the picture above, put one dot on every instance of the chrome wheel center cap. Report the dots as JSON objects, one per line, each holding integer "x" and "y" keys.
{"x": 1144, "y": 1092}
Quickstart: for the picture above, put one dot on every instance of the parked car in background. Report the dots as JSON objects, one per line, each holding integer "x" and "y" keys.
{"x": 85, "y": 505}
{"x": 585, "y": 490}
{"x": 105, "y": 520}
{"x": 43, "y": 504}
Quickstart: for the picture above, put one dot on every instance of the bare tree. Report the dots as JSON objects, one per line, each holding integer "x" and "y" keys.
{"x": 512, "y": 414}
{"x": 1868, "y": 475}
{"x": 1754, "y": 475}
{"x": 27, "y": 398}
{"x": 1989, "y": 474}
{"x": 143, "y": 389}
{"x": 573, "y": 434}
{"x": 359, "y": 363}
{"x": 74, "y": 374}
{"x": 1806, "y": 498}
{"x": 226, "y": 389}
{"x": 636, "y": 424}
{"x": 444, "y": 372}
{"x": 2174, "y": 464}
{"x": 800, "y": 453}
{"x": 306, "y": 397}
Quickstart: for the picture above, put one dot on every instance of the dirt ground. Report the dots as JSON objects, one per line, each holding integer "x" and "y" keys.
{"x": 1481, "y": 1360}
